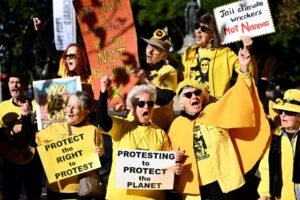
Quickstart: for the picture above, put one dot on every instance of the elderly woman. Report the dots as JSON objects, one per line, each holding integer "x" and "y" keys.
{"x": 163, "y": 77}
{"x": 140, "y": 134}
{"x": 212, "y": 168}
{"x": 210, "y": 63}
{"x": 280, "y": 166}
{"x": 79, "y": 106}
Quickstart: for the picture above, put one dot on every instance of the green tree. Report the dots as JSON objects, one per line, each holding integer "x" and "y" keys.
{"x": 34, "y": 54}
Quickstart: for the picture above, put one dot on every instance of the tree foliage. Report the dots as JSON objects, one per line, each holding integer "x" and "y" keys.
{"x": 34, "y": 54}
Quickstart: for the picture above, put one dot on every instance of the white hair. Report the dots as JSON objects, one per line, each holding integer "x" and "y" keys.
{"x": 137, "y": 90}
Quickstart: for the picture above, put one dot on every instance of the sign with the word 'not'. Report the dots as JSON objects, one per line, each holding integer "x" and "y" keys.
{"x": 51, "y": 97}
{"x": 150, "y": 170}
{"x": 243, "y": 18}
{"x": 69, "y": 156}
{"x": 109, "y": 34}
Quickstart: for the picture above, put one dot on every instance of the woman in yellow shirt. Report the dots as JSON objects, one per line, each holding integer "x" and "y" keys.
{"x": 79, "y": 107}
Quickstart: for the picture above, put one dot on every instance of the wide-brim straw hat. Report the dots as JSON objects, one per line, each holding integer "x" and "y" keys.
{"x": 160, "y": 39}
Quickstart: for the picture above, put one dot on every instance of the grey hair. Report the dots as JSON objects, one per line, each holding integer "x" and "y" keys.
{"x": 86, "y": 102}
{"x": 137, "y": 90}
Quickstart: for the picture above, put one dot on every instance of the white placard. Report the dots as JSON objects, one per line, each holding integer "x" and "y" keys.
{"x": 64, "y": 23}
{"x": 248, "y": 17}
{"x": 150, "y": 170}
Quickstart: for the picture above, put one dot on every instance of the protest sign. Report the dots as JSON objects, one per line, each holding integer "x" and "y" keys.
{"x": 71, "y": 156}
{"x": 109, "y": 35}
{"x": 243, "y": 18}
{"x": 51, "y": 97}
{"x": 149, "y": 170}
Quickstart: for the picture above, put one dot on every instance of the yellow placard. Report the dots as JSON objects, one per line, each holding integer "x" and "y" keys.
{"x": 69, "y": 156}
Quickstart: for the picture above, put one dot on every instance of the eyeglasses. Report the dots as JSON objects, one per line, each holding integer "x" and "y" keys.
{"x": 202, "y": 28}
{"x": 141, "y": 104}
{"x": 70, "y": 56}
{"x": 190, "y": 94}
{"x": 155, "y": 50}
{"x": 289, "y": 113}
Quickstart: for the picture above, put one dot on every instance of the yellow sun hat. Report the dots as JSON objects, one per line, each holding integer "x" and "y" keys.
{"x": 290, "y": 102}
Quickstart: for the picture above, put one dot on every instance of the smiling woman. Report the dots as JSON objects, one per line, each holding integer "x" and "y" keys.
{"x": 78, "y": 109}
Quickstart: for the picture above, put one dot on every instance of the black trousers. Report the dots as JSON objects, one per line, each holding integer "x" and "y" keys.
{"x": 28, "y": 175}
{"x": 247, "y": 192}
{"x": 57, "y": 196}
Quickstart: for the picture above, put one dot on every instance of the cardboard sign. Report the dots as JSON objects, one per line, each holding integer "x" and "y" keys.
{"x": 109, "y": 34}
{"x": 243, "y": 18}
{"x": 51, "y": 98}
{"x": 148, "y": 170}
{"x": 71, "y": 156}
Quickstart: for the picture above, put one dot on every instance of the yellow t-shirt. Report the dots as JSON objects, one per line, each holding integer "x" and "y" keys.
{"x": 10, "y": 112}
{"x": 128, "y": 135}
{"x": 213, "y": 67}
{"x": 164, "y": 78}
{"x": 58, "y": 131}
{"x": 14, "y": 150}
{"x": 202, "y": 147}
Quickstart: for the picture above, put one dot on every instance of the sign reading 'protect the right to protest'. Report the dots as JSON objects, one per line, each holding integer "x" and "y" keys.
{"x": 69, "y": 156}
{"x": 149, "y": 170}
{"x": 247, "y": 17}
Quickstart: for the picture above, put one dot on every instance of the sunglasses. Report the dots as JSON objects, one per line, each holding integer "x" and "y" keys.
{"x": 289, "y": 113}
{"x": 70, "y": 56}
{"x": 190, "y": 94}
{"x": 202, "y": 28}
{"x": 141, "y": 104}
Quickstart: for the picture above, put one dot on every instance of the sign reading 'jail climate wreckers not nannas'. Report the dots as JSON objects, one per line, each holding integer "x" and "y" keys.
{"x": 243, "y": 18}
{"x": 150, "y": 170}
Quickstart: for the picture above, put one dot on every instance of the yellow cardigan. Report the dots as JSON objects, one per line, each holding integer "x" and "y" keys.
{"x": 239, "y": 111}
{"x": 287, "y": 153}
{"x": 222, "y": 65}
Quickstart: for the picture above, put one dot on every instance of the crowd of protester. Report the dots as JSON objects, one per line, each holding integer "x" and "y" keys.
{"x": 231, "y": 142}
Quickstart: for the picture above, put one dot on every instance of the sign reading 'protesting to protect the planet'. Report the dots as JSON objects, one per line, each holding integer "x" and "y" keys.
{"x": 151, "y": 170}
{"x": 243, "y": 18}
{"x": 69, "y": 156}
